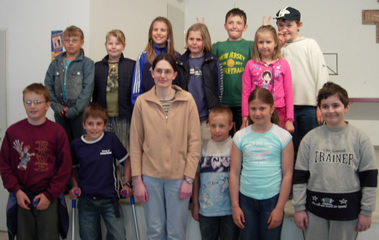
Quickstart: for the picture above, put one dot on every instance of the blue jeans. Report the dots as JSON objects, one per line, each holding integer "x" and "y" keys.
{"x": 90, "y": 211}
{"x": 305, "y": 120}
{"x": 165, "y": 214}
{"x": 211, "y": 228}
{"x": 256, "y": 214}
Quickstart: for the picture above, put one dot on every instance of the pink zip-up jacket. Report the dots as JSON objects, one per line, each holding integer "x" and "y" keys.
{"x": 275, "y": 77}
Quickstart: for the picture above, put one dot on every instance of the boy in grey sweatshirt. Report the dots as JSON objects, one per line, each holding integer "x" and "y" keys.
{"x": 335, "y": 176}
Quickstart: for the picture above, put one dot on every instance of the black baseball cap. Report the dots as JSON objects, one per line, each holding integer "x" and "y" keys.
{"x": 288, "y": 13}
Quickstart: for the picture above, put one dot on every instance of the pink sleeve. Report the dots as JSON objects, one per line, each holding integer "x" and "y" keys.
{"x": 247, "y": 87}
{"x": 288, "y": 94}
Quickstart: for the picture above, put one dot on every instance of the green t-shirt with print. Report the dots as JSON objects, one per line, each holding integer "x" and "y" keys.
{"x": 233, "y": 56}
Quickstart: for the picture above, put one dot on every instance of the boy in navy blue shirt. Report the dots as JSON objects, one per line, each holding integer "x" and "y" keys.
{"x": 94, "y": 174}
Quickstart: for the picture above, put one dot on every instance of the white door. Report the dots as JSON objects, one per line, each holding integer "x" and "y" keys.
{"x": 3, "y": 123}
{"x": 3, "y": 106}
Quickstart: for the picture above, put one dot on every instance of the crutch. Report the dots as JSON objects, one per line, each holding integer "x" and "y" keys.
{"x": 73, "y": 204}
{"x": 123, "y": 194}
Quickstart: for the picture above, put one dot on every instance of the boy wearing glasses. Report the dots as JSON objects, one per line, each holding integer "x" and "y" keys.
{"x": 35, "y": 165}
{"x": 70, "y": 80}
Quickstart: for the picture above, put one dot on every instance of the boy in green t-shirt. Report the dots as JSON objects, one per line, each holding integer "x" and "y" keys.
{"x": 234, "y": 54}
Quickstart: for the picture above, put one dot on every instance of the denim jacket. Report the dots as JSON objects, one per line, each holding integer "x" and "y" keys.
{"x": 79, "y": 85}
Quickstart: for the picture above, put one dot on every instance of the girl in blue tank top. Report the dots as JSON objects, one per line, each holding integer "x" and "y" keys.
{"x": 261, "y": 170}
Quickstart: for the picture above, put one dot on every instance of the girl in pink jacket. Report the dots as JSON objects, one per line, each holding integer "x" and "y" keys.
{"x": 268, "y": 70}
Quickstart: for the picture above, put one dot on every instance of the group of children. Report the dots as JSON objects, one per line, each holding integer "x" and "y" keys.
{"x": 241, "y": 184}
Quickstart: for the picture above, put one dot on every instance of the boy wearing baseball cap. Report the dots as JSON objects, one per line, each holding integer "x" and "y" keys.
{"x": 308, "y": 68}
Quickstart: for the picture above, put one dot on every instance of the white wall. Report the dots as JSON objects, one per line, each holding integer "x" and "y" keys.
{"x": 28, "y": 25}
{"x": 3, "y": 95}
{"x": 336, "y": 25}
{"x": 134, "y": 19}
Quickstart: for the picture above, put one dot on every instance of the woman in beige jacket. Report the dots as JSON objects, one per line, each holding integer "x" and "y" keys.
{"x": 165, "y": 145}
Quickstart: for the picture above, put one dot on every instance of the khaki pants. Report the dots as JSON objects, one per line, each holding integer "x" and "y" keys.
{"x": 35, "y": 224}
{"x": 321, "y": 228}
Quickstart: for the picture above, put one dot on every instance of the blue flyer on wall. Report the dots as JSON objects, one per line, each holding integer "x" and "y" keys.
{"x": 56, "y": 43}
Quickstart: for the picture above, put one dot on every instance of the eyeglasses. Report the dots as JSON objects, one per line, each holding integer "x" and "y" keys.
{"x": 73, "y": 40}
{"x": 36, "y": 102}
{"x": 161, "y": 71}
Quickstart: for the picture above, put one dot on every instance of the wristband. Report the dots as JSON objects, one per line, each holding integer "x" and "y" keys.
{"x": 129, "y": 184}
{"x": 188, "y": 180}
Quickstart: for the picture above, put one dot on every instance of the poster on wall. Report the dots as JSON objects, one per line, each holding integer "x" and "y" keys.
{"x": 56, "y": 43}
